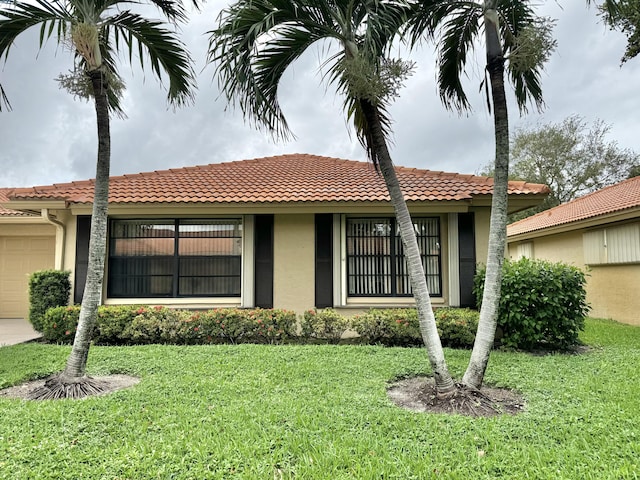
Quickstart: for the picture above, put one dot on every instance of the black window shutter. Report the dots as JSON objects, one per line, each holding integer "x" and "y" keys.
{"x": 324, "y": 260}
{"x": 467, "y": 258}
{"x": 263, "y": 288}
{"x": 83, "y": 231}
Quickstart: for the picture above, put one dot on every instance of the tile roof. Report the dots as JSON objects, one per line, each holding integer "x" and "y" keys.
{"x": 7, "y": 212}
{"x": 285, "y": 178}
{"x": 615, "y": 198}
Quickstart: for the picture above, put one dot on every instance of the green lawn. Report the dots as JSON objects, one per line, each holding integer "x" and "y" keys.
{"x": 321, "y": 412}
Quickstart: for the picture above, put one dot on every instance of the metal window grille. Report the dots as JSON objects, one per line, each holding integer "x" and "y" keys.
{"x": 376, "y": 266}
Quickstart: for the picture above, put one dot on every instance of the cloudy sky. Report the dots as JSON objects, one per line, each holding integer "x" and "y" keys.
{"x": 49, "y": 137}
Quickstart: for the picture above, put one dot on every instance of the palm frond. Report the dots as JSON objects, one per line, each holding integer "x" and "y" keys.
{"x": 515, "y": 18}
{"x": 21, "y": 16}
{"x": 4, "y": 100}
{"x": 151, "y": 42}
{"x": 252, "y": 47}
{"x": 458, "y": 31}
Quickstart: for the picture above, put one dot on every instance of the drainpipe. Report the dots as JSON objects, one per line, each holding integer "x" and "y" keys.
{"x": 60, "y": 237}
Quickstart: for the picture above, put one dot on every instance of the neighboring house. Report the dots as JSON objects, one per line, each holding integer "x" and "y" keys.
{"x": 27, "y": 244}
{"x": 292, "y": 231}
{"x": 599, "y": 232}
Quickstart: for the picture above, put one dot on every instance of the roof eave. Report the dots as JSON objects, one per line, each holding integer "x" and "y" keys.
{"x": 592, "y": 222}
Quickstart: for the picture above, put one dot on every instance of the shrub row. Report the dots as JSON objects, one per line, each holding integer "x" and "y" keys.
{"x": 542, "y": 304}
{"x": 400, "y": 327}
{"x": 125, "y": 325}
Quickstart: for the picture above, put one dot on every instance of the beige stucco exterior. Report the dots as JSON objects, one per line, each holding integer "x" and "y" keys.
{"x": 482, "y": 221}
{"x": 24, "y": 249}
{"x": 613, "y": 290}
{"x": 293, "y": 262}
{"x": 293, "y": 255}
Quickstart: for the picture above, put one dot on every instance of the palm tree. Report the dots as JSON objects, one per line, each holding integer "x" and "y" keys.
{"x": 96, "y": 30}
{"x": 255, "y": 42}
{"x": 515, "y": 40}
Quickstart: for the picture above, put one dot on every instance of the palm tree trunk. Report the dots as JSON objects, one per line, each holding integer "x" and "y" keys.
{"x": 485, "y": 335}
{"x": 379, "y": 150}
{"x": 77, "y": 362}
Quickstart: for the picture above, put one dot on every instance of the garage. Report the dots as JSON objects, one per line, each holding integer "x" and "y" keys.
{"x": 21, "y": 255}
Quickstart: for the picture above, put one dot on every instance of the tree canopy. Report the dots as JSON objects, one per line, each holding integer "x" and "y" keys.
{"x": 571, "y": 157}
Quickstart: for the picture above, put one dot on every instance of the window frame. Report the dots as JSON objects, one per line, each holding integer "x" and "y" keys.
{"x": 177, "y": 259}
{"x": 394, "y": 246}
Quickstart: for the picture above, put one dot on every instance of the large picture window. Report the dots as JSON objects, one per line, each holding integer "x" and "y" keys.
{"x": 376, "y": 265}
{"x": 175, "y": 258}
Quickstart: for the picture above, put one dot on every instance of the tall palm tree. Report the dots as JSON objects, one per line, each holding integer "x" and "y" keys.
{"x": 96, "y": 30}
{"x": 515, "y": 40}
{"x": 255, "y": 42}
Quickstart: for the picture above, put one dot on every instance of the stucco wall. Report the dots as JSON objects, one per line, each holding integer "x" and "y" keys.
{"x": 293, "y": 262}
{"x": 482, "y": 221}
{"x": 613, "y": 291}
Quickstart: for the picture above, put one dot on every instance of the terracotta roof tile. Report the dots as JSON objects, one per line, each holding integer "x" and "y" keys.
{"x": 282, "y": 179}
{"x": 7, "y": 212}
{"x": 621, "y": 196}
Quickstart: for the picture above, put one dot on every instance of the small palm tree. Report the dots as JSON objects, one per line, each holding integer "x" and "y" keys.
{"x": 515, "y": 40}
{"x": 96, "y": 30}
{"x": 257, "y": 40}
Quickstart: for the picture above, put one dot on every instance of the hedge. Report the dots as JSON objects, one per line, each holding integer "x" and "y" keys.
{"x": 128, "y": 325}
{"x": 141, "y": 324}
{"x": 400, "y": 327}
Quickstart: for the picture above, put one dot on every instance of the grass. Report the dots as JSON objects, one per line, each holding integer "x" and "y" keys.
{"x": 321, "y": 412}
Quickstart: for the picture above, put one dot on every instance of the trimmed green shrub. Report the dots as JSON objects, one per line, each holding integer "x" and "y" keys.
{"x": 47, "y": 289}
{"x": 325, "y": 325}
{"x": 542, "y": 304}
{"x": 112, "y": 323}
{"x": 390, "y": 327}
{"x": 154, "y": 325}
{"x": 59, "y": 324}
{"x": 457, "y": 326}
{"x": 400, "y": 327}
{"x": 146, "y": 325}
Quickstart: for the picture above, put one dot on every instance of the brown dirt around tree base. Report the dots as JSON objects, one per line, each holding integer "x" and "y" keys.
{"x": 419, "y": 394}
{"x": 111, "y": 383}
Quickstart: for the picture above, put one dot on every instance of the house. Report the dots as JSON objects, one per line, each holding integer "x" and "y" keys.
{"x": 599, "y": 232}
{"x": 292, "y": 231}
{"x": 27, "y": 244}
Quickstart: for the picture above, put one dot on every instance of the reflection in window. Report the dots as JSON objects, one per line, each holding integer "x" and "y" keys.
{"x": 175, "y": 258}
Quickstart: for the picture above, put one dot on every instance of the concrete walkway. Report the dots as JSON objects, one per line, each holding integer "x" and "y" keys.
{"x": 16, "y": 330}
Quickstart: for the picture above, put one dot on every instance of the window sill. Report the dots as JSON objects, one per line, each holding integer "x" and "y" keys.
{"x": 386, "y": 302}
{"x": 190, "y": 303}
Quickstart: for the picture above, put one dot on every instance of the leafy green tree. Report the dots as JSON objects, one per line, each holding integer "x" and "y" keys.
{"x": 518, "y": 41}
{"x": 571, "y": 157}
{"x": 255, "y": 42}
{"x": 96, "y": 31}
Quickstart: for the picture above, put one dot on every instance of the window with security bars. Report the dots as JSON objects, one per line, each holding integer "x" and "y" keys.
{"x": 175, "y": 258}
{"x": 376, "y": 266}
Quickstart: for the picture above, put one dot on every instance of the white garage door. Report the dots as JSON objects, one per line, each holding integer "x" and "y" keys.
{"x": 19, "y": 257}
